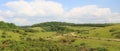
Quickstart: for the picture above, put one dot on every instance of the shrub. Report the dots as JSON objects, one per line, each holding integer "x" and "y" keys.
{"x": 83, "y": 44}
{"x": 28, "y": 39}
{"x": 101, "y": 49}
{"x": 4, "y": 32}
{"x": 41, "y": 39}
{"x": 30, "y": 30}
{"x": 113, "y": 29}
{"x": 3, "y": 36}
{"x": 117, "y": 36}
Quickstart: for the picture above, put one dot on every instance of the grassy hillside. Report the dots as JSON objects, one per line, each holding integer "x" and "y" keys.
{"x": 60, "y": 36}
{"x": 107, "y": 32}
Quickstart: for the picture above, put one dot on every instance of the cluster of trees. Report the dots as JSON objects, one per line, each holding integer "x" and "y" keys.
{"x": 4, "y": 25}
{"x": 59, "y": 27}
{"x": 45, "y": 24}
{"x": 70, "y": 24}
{"x": 93, "y": 25}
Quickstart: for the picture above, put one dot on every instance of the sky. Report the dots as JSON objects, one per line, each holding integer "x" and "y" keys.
{"x": 28, "y": 12}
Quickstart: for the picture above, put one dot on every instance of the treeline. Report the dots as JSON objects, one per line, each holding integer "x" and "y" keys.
{"x": 93, "y": 25}
{"x": 45, "y": 24}
{"x": 59, "y": 27}
{"x": 4, "y": 25}
{"x": 69, "y": 24}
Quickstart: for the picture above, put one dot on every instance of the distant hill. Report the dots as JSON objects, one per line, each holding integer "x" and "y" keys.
{"x": 70, "y": 24}
{"x": 52, "y": 24}
{"x": 4, "y": 25}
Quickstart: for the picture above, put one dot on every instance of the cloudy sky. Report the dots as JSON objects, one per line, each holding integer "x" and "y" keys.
{"x": 27, "y": 12}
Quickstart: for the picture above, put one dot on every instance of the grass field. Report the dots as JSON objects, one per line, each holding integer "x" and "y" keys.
{"x": 97, "y": 39}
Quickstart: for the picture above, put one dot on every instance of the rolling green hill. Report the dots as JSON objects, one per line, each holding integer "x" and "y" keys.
{"x": 60, "y": 36}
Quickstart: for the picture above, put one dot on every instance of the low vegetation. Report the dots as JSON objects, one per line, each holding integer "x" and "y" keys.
{"x": 60, "y": 36}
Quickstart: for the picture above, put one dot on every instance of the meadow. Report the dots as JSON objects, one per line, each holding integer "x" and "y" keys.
{"x": 60, "y": 36}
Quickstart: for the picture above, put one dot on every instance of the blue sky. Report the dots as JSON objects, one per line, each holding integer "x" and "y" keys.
{"x": 27, "y": 12}
{"x": 114, "y": 5}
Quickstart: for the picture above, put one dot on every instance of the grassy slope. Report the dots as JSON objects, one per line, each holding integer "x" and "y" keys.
{"x": 99, "y": 32}
{"x": 111, "y": 45}
{"x": 10, "y": 35}
{"x": 102, "y": 32}
{"x": 41, "y": 33}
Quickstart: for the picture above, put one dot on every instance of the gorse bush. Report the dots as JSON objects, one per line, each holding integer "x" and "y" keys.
{"x": 3, "y": 34}
{"x": 36, "y": 45}
{"x": 30, "y": 30}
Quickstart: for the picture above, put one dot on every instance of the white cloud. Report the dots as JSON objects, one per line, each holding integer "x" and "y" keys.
{"x": 89, "y": 10}
{"x": 2, "y": 19}
{"x": 20, "y": 20}
{"x": 43, "y": 8}
{"x": 89, "y": 14}
{"x": 114, "y": 18}
{"x": 6, "y": 13}
{"x": 23, "y": 12}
